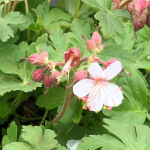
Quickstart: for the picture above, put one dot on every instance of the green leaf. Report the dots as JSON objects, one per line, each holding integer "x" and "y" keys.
{"x": 117, "y": 52}
{"x": 132, "y": 117}
{"x": 60, "y": 43}
{"x": 14, "y": 18}
{"x": 134, "y": 137}
{"x": 111, "y": 22}
{"x": 4, "y": 108}
{"x": 17, "y": 146}
{"x": 127, "y": 137}
{"x": 52, "y": 99}
{"x": 11, "y": 134}
{"x": 10, "y": 83}
{"x": 5, "y": 30}
{"x": 126, "y": 39}
{"x": 77, "y": 112}
{"x": 105, "y": 4}
{"x": 23, "y": 47}
{"x": 135, "y": 92}
{"x": 38, "y": 139}
{"x": 79, "y": 28}
{"x": 94, "y": 142}
{"x": 141, "y": 55}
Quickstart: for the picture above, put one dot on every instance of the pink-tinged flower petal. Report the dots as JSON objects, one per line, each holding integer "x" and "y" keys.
{"x": 95, "y": 100}
{"x": 112, "y": 70}
{"x": 111, "y": 94}
{"x": 83, "y": 87}
{"x": 96, "y": 71}
{"x": 140, "y": 5}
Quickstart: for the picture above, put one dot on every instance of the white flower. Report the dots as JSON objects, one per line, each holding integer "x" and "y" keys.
{"x": 72, "y": 144}
{"x": 98, "y": 90}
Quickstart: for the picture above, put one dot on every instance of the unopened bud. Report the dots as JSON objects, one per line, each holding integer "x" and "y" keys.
{"x": 48, "y": 81}
{"x": 80, "y": 75}
{"x": 38, "y": 75}
{"x": 96, "y": 38}
{"x": 90, "y": 45}
{"x": 38, "y": 60}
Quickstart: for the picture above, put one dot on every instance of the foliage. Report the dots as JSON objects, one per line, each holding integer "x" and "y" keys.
{"x": 47, "y": 48}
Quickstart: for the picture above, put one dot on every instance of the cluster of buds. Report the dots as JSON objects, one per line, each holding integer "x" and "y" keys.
{"x": 95, "y": 78}
{"x": 139, "y": 10}
{"x": 46, "y": 72}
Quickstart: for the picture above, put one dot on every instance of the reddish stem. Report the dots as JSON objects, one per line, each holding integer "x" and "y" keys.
{"x": 100, "y": 61}
{"x": 124, "y": 4}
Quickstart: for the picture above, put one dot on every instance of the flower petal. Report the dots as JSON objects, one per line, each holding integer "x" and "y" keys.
{"x": 111, "y": 94}
{"x": 83, "y": 87}
{"x": 112, "y": 70}
{"x": 96, "y": 71}
{"x": 72, "y": 144}
{"x": 95, "y": 101}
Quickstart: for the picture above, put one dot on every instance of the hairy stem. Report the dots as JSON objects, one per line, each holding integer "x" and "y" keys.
{"x": 66, "y": 102}
{"x": 124, "y": 4}
{"x": 44, "y": 117}
{"x": 76, "y": 9}
{"x": 9, "y": 6}
{"x": 26, "y": 6}
{"x": 14, "y": 5}
{"x": 5, "y": 8}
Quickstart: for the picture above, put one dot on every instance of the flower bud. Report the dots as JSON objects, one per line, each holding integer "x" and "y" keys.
{"x": 140, "y": 5}
{"x": 48, "y": 81}
{"x": 39, "y": 60}
{"x": 90, "y": 45}
{"x": 96, "y": 38}
{"x": 38, "y": 75}
{"x": 80, "y": 75}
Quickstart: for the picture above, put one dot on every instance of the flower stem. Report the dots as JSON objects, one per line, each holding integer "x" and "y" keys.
{"x": 76, "y": 9}
{"x": 66, "y": 102}
{"x": 14, "y": 5}
{"x": 44, "y": 117}
{"x": 9, "y": 5}
{"x": 124, "y": 4}
{"x": 26, "y": 6}
{"x": 21, "y": 97}
{"x": 5, "y": 7}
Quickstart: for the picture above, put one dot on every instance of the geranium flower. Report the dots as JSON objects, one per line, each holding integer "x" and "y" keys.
{"x": 98, "y": 91}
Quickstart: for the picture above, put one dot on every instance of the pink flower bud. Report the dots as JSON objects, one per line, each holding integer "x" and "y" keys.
{"x": 80, "y": 75}
{"x": 39, "y": 60}
{"x": 90, "y": 45}
{"x": 96, "y": 38}
{"x": 109, "y": 62}
{"x": 140, "y": 5}
{"x": 48, "y": 81}
{"x": 139, "y": 20}
{"x": 38, "y": 75}
{"x": 74, "y": 55}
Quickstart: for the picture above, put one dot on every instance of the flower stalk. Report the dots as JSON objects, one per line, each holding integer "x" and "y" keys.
{"x": 77, "y": 9}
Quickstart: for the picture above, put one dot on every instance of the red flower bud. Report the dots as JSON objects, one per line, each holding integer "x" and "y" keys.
{"x": 48, "y": 81}
{"x": 80, "y": 75}
{"x": 39, "y": 60}
{"x": 38, "y": 75}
